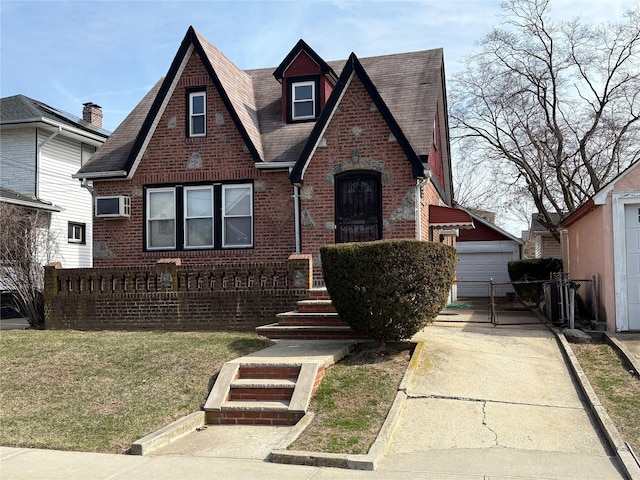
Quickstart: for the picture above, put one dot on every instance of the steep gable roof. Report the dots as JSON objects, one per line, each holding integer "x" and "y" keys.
{"x": 407, "y": 86}
{"x": 233, "y": 85}
{"x": 300, "y": 47}
{"x": 236, "y": 89}
{"x": 354, "y": 68}
{"x": 111, "y": 159}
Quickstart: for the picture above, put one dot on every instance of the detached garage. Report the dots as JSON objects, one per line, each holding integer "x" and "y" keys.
{"x": 483, "y": 254}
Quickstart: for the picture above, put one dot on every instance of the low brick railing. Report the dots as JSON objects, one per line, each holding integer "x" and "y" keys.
{"x": 170, "y": 296}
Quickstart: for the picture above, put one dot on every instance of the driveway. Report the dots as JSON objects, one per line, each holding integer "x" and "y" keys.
{"x": 496, "y": 402}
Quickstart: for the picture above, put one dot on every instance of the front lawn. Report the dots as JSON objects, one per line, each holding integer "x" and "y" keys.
{"x": 101, "y": 391}
{"x": 617, "y": 388}
{"x": 354, "y": 399}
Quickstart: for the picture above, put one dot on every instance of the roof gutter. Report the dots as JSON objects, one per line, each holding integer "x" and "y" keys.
{"x": 39, "y": 205}
{"x": 118, "y": 174}
{"x": 94, "y": 137}
{"x": 275, "y": 165}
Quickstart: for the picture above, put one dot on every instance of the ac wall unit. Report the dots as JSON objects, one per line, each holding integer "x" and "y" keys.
{"x": 117, "y": 206}
{"x": 451, "y": 232}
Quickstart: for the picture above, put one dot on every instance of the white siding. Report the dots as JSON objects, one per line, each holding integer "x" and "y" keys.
{"x": 18, "y": 160}
{"x": 59, "y": 159}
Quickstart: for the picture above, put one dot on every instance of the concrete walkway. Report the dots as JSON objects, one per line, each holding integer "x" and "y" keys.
{"x": 497, "y": 402}
{"x": 480, "y": 402}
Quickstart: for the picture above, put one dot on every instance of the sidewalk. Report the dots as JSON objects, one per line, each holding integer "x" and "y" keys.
{"x": 482, "y": 402}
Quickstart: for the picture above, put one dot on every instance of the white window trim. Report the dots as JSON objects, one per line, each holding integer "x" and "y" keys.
{"x": 148, "y": 218}
{"x": 186, "y": 217}
{"x": 82, "y": 228}
{"x": 293, "y": 99}
{"x": 202, "y": 94}
{"x": 224, "y": 216}
{"x": 618, "y": 202}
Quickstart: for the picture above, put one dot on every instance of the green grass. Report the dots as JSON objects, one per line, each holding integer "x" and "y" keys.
{"x": 616, "y": 387}
{"x": 101, "y": 391}
{"x": 352, "y": 403}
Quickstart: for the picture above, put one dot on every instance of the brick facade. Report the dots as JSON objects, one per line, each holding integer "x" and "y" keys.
{"x": 170, "y": 296}
{"x": 356, "y": 126}
{"x": 174, "y": 158}
{"x": 247, "y": 122}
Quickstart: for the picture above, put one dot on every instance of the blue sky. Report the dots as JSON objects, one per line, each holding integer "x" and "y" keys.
{"x": 66, "y": 53}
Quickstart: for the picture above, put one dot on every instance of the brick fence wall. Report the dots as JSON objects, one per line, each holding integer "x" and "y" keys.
{"x": 170, "y": 296}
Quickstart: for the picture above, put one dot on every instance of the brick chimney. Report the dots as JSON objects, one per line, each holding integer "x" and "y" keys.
{"x": 92, "y": 113}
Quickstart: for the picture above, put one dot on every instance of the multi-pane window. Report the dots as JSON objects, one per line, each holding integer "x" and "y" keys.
{"x": 77, "y": 232}
{"x": 197, "y": 114}
{"x": 237, "y": 223}
{"x": 303, "y": 102}
{"x": 199, "y": 217}
{"x": 161, "y": 218}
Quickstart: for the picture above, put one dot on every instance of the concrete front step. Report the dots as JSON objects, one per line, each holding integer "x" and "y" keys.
{"x": 316, "y": 306}
{"x": 319, "y": 293}
{"x": 310, "y": 319}
{"x": 277, "y": 331}
{"x": 261, "y": 390}
{"x": 254, "y": 413}
{"x": 265, "y": 393}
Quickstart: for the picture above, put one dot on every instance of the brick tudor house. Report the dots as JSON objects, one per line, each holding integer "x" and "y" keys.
{"x": 214, "y": 196}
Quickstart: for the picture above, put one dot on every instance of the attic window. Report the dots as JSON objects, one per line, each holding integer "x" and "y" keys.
{"x": 303, "y": 100}
{"x": 197, "y": 114}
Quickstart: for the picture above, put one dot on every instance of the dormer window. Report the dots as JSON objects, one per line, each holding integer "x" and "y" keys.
{"x": 303, "y": 100}
{"x": 197, "y": 114}
{"x": 307, "y": 81}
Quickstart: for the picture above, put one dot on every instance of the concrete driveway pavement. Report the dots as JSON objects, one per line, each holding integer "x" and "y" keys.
{"x": 496, "y": 402}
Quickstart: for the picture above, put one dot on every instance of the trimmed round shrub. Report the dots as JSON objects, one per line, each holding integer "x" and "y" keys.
{"x": 532, "y": 269}
{"x": 389, "y": 289}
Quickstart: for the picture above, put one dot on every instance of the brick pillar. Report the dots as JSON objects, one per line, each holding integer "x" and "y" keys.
{"x": 301, "y": 271}
{"x": 50, "y": 291}
{"x": 167, "y": 274}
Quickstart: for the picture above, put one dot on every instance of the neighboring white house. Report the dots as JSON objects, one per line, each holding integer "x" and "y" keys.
{"x": 543, "y": 243}
{"x": 41, "y": 148}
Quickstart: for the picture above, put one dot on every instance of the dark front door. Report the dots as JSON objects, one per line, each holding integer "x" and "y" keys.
{"x": 358, "y": 207}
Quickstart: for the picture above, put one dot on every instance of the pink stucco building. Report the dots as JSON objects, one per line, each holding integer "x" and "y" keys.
{"x": 602, "y": 239}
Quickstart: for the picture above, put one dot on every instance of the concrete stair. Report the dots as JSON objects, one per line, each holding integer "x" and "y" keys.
{"x": 314, "y": 319}
{"x": 274, "y": 393}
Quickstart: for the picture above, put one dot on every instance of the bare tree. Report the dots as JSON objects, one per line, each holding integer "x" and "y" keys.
{"x": 553, "y": 107}
{"x": 26, "y": 244}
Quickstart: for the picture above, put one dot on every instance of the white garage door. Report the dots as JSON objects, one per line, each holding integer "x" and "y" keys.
{"x": 476, "y": 268}
{"x": 632, "y": 238}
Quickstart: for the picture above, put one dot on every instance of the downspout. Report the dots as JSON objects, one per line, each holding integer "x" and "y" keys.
{"x": 39, "y": 158}
{"x": 296, "y": 215}
{"x": 84, "y": 183}
{"x": 418, "y": 208}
